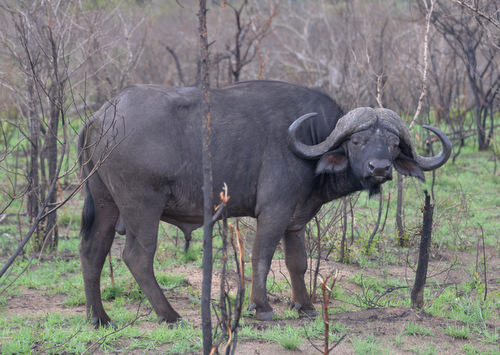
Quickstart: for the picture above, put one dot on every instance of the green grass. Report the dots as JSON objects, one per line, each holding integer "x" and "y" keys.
{"x": 427, "y": 349}
{"x": 465, "y": 307}
{"x": 288, "y": 337}
{"x": 487, "y": 337}
{"x": 368, "y": 345}
{"x": 416, "y": 329}
{"x": 56, "y": 334}
{"x": 316, "y": 330}
{"x": 458, "y": 332}
{"x": 171, "y": 281}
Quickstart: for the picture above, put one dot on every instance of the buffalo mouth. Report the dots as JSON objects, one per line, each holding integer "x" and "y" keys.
{"x": 379, "y": 179}
{"x": 373, "y": 183}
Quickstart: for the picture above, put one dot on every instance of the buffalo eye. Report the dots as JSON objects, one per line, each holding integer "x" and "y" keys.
{"x": 355, "y": 141}
{"x": 394, "y": 143}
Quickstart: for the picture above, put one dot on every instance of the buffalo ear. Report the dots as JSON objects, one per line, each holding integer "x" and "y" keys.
{"x": 332, "y": 162}
{"x": 407, "y": 166}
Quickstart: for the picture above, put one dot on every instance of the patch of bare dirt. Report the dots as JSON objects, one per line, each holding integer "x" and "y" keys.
{"x": 35, "y": 303}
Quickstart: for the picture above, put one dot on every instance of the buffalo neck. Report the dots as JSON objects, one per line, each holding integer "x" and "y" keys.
{"x": 329, "y": 187}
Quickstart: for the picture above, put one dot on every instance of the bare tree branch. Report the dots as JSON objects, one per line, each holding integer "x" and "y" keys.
{"x": 423, "y": 93}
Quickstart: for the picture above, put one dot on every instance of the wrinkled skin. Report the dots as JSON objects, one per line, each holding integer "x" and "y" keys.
{"x": 145, "y": 146}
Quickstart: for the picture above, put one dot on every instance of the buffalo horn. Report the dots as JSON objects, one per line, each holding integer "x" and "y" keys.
{"x": 354, "y": 120}
{"x": 407, "y": 147}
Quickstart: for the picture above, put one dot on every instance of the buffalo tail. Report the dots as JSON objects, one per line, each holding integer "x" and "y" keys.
{"x": 88, "y": 214}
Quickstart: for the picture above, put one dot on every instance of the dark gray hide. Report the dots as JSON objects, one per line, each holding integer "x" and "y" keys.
{"x": 146, "y": 147}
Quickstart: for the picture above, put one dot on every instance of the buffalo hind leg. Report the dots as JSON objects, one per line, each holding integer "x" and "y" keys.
{"x": 93, "y": 251}
{"x": 138, "y": 254}
{"x": 296, "y": 263}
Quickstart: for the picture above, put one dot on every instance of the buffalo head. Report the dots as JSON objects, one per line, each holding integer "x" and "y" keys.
{"x": 369, "y": 142}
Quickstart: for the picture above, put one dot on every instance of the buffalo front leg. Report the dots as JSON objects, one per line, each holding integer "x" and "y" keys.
{"x": 296, "y": 263}
{"x": 265, "y": 243}
{"x": 138, "y": 254}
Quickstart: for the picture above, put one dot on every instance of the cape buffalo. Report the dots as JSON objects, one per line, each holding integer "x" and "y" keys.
{"x": 284, "y": 150}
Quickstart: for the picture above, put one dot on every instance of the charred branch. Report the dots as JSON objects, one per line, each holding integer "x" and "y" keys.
{"x": 417, "y": 293}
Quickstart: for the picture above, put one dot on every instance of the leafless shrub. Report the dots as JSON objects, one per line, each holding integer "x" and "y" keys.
{"x": 230, "y": 305}
{"x": 322, "y": 225}
{"x": 327, "y": 290}
{"x": 466, "y": 28}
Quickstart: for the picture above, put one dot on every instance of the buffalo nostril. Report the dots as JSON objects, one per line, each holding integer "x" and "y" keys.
{"x": 377, "y": 166}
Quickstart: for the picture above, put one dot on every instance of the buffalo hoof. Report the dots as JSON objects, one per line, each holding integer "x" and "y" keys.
{"x": 264, "y": 316}
{"x": 162, "y": 319}
{"x": 309, "y": 312}
{"x": 102, "y": 323}
{"x": 180, "y": 323}
{"x": 261, "y": 315}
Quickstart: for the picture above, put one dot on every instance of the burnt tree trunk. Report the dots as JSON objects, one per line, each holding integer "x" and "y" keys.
{"x": 207, "y": 182}
{"x": 51, "y": 238}
{"x": 33, "y": 174}
{"x": 417, "y": 293}
{"x": 399, "y": 212}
